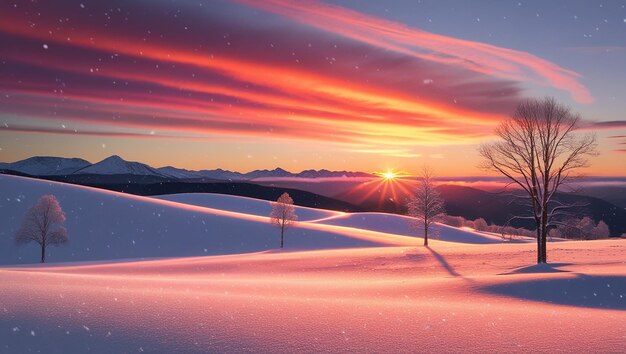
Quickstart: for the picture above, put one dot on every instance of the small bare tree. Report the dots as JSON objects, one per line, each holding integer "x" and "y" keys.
{"x": 539, "y": 151}
{"x": 426, "y": 206}
{"x": 43, "y": 224}
{"x": 283, "y": 215}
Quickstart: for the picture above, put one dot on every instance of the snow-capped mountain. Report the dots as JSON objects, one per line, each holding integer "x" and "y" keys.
{"x": 178, "y": 173}
{"x": 218, "y": 174}
{"x": 277, "y": 172}
{"x": 115, "y": 165}
{"x": 222, "y": 174}
{"x": 328, "y": 174}
{"x": 46, "y": 165}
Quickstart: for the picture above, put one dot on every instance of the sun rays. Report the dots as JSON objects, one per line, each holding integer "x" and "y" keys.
{"x": 390, "y": 185}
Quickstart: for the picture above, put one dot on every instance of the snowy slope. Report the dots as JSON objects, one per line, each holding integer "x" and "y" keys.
{"x": 115, "y": 165}
{"x": 401, "y": 225}
{"x": 46, "y": 165}
{"x": 108, "y": 225}
{"x": 441, "y": 299}
{"x": 243, "y": 205}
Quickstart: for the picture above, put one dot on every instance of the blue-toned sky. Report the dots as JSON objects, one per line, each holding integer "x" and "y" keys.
{"x": 350, "y": 85}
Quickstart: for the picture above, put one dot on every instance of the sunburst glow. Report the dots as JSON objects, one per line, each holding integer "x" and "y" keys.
{"x": 388, "y": 175}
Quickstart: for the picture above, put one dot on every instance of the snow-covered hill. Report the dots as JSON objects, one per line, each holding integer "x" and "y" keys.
{"x": 115, "y": 165}
{"x": 46, "y": 165}
{"x": 106, "y": 225}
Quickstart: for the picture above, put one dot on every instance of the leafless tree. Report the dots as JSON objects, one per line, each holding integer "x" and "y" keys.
{"x": 426, "y": 206}
{"x": 43, "y": 224}
{"x": 539, "y": 151}
{"x": 283, "y": 215}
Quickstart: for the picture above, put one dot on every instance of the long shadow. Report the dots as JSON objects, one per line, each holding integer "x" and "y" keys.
{"x": 444, "y": 263}
{"x": 602, "y": 292}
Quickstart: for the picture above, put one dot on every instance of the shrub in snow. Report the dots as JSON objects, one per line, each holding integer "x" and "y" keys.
{"x": 480, "y": 224}
{"x": 456, "y": 221}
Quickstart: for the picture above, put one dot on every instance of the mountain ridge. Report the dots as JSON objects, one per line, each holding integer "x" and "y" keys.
{"x": 116, "y": 165}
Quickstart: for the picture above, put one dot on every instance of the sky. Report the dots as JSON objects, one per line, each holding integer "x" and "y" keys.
{"x": 341, "y": 85}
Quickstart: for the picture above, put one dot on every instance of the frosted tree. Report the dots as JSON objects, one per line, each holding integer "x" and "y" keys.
{"x": 283, "y": 215}
{"x": 539, "y": 151}
{"x": 43, "y": 224}
{"x": 426, "y": 205}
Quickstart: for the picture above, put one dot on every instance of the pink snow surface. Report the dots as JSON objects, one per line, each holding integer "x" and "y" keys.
{"x": 446, "y": 298}
{"x": 392, "y": 296}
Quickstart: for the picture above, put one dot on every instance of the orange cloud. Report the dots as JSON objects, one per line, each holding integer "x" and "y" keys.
{"x": 476, "y": 56}
{"x": 126, "y": 76}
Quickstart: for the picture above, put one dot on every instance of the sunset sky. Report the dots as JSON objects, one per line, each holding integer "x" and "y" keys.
{"x": 342, "y": 85}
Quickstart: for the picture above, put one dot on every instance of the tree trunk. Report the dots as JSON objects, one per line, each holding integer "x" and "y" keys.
{"x": 544, "y": 234}
{"x": 544, "y": 239}
{"x": 539, "y": 254}
{"x": 544, "y": 248}
{"x": 425, "y": 234}
{"x": 282, "y": 234}
{"x": 43, "y": 253}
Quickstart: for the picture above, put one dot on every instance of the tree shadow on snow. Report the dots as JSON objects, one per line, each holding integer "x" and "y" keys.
{"x": 444, "y": 263}
{"x": 602, "y": 292}
{"x": 540, "y": 268}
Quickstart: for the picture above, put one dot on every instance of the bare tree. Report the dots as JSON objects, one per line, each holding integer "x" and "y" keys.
{"x": 43, "y": 224}
{"x": 426, "y": 206}
{"x": 283, "y": 215}
{"x": 539, "y": 151}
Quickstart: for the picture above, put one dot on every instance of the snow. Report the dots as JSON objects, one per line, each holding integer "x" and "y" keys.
{"x": 446, "y": 298}
{"x": 400, "y": 225}
{"x": 346, "y": 283}
{"x": 243, "y": 205}
{"x": 109, "y": 225}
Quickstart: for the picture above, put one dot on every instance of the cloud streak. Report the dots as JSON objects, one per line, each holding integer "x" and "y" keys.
{"x": 476, "y": 56}
{"x": 310, "y": 72}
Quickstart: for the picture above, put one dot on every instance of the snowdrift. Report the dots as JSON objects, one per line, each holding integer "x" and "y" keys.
{"x": 243, "y": 205}
{"x": 105, "y": 225}
{"x": 400, "y": 225}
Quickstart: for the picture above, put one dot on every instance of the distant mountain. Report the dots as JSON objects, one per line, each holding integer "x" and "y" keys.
{"x": 115, "y": 165}
{"x": 177, "y": 173}
{"x": 218, "y": 174}
{"x": 277, "y": 172}
{"x": 330, "y": 174}
{"x": 612, "y": 194}
{"x": 472, "y": 203}
{"x": 46, "y": 165}
{"x": 224, "y": 175}
{"x": 498, "y": 208}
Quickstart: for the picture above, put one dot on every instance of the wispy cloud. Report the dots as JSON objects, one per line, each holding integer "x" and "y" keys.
{"x": 476, "y": 56}
{"x": 612, "y": 124}
{"x": 226, "y": 70}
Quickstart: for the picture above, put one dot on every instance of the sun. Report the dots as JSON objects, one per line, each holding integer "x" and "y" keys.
{"x": 389, "y": 175}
